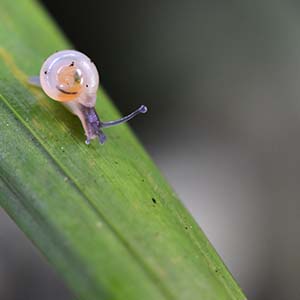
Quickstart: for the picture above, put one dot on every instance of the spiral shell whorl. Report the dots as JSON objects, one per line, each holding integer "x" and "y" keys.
{"x": 70, "y": 75}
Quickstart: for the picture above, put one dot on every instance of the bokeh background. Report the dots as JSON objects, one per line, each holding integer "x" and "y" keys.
{"x": 222, "y": 81}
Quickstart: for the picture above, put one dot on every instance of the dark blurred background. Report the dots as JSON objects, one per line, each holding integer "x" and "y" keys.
{"x": 221, "y": 79}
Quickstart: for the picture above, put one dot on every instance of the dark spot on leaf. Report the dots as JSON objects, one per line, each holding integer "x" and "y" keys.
{"x": 116, "y": 162}
{"x": 186, "y": 228}
{"x": 153, "y": 200}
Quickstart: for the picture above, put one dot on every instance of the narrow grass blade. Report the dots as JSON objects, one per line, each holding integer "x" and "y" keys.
{"x": 104, "y": 216}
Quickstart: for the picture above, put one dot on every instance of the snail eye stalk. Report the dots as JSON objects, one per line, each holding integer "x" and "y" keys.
{"x": 141, "y": 110}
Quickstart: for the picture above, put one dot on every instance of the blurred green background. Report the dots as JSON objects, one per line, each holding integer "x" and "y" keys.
{"x": 221, "y": 80}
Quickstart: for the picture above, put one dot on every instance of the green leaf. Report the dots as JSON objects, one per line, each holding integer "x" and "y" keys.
{"x": 103, "y": 215}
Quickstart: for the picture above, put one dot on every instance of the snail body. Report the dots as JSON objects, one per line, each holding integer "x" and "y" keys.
{"x": 70, "y": 77}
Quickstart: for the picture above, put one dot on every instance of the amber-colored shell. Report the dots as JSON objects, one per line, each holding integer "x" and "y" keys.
{"x": 69, "y": 75}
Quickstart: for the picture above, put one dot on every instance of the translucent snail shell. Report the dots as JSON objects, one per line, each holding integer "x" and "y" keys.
{"x": 70, "y": 77}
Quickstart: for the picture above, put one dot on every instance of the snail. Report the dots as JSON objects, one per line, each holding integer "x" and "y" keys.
{"x": 70, "y": 77}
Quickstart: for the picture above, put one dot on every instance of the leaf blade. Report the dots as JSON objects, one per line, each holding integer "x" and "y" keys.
{"x": 112, "y": 185}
